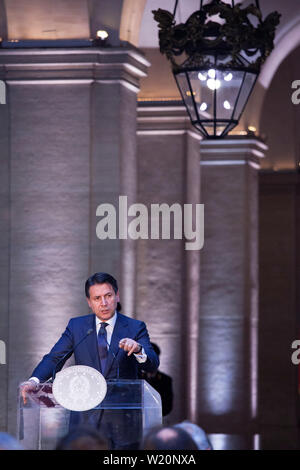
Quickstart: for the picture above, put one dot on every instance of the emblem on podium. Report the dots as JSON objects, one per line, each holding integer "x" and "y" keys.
{"x": 79, "y": 388}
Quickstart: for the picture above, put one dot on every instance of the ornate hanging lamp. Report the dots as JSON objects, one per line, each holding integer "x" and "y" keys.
{"x": 216, "y": 63}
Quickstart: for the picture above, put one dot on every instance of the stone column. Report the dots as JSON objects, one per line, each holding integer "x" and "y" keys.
{"x": 228, "y": 328}
{"x": 168, "y": 274}
{"x": 72, "y": 143}
{"x": 113, "y": 170}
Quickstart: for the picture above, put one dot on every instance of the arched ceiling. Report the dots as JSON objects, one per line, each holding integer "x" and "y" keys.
{"x": 280, "y": 117}
{"x": 287, "y": 35}
{"x": 52, "y": 19}
{"x": 148, "y": 38}
{"x": 132, "y": 21}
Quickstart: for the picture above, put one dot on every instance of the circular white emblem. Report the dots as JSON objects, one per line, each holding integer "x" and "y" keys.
{"x": 79, "y": 388}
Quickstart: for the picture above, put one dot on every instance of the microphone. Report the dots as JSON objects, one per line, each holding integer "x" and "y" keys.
{"x": 101, "y": 332}
{"x": 68, "y": 354}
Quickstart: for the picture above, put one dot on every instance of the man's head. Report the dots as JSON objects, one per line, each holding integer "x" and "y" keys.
{"x": 198, "y": 434}
{"x": 102, "y": 295}
{"x": 168, "y": 438}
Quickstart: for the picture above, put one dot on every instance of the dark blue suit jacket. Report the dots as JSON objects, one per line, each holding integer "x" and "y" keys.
{"x": 86, "y": 353}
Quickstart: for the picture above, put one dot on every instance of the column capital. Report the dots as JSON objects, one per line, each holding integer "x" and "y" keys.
{"x": 163, "y": 118}
{"x": 233, "y": 151}
{"x": 87, "y": 64}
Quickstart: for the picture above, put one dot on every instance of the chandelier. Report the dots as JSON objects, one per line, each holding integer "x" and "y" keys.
{"x": 216, "y": 56}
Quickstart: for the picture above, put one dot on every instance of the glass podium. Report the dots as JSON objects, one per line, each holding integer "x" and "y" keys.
{"x": 129, "y": 409}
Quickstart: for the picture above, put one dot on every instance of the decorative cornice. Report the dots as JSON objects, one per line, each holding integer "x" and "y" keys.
{"x": 233, "y": 151}
{"x": 73, "y": 64}
{"x": 163, "y": 120}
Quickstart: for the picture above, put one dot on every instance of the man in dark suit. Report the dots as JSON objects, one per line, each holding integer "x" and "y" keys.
{"x": 114, "y": 344}
{"x": 128, "y": 339}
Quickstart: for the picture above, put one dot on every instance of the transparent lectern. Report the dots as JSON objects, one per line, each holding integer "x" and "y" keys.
{"x": 129, "y": 409}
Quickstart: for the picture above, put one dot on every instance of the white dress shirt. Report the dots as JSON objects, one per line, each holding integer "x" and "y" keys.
{"x": 140, "y": 357}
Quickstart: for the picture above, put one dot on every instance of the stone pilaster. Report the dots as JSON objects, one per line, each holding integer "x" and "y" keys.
{"x": 228, "y": 330}
{"x": 168, "y": 279}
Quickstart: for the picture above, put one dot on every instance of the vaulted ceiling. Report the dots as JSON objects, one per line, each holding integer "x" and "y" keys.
{"x": 132, "y": 21}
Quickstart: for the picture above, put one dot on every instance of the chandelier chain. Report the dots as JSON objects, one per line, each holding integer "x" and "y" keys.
{"x": 175, "y": 8}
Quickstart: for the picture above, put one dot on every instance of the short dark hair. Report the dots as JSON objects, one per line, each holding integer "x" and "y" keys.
{"x": 100, "y": 278}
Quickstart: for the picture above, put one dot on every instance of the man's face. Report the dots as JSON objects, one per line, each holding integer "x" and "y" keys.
{"x": 103, "y": 300}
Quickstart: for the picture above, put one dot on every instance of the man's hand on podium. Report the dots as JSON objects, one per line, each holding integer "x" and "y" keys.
{"x": 130, "y": 346}
{"x": 27, "y": 387}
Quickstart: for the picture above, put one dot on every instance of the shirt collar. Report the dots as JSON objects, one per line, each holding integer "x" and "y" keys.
{"x": 111, "y": 321}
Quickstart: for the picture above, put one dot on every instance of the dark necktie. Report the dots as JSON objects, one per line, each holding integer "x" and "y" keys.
{"x": 102, "y": 345}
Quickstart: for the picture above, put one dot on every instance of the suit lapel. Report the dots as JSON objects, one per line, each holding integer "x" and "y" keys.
{"x": 120, "y": 331}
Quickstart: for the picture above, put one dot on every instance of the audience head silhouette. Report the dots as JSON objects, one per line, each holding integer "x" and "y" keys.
{"x": 169, "y": 438}
{"x": 198, "y": 434}
{"x": 83, "y": 438}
